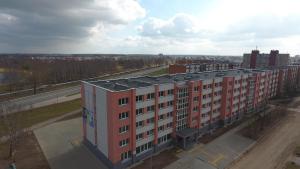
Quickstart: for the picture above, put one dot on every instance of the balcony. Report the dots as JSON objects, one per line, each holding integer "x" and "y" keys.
{"x": 165, "y": 98}
{"x": 145, "y": 116}
{"x": 165, "y": 121}
{"x": 205, "y": 110}
{"x": 165, "y": 132}
{"x": 207, "y": 100}
{"x": 144, "y": 128}
{"x": 144, "y": 104}
{"x": 144, "y": 140}
{"x": 165, "y": 110}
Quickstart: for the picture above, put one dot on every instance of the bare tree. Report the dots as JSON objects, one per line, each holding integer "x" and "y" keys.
{"x": 12, "y": 127}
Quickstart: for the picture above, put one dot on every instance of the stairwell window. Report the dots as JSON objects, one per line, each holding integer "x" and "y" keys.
{"x": 123, "y": 101}
{"x": 124, "y": 142}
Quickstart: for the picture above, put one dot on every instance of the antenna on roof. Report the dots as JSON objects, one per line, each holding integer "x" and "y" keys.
{"x": 256, "y": 47}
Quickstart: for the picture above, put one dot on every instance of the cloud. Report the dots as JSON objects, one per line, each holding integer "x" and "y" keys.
{"x": 181, "y": 25}
{"x": 29, "y": 24}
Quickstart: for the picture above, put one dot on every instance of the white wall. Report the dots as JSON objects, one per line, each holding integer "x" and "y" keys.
{"x": 89, "y": 105}
{"x": 102, "y": 129}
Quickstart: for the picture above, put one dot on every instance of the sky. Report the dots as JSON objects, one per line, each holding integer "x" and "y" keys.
{"x": 214, "y": 27}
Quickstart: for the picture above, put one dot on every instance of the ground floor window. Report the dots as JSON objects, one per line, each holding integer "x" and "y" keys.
{"x": 164, "y": 138}
{"x": 144, "y": 147}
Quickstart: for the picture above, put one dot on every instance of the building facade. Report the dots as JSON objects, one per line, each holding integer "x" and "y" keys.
{"x": 255, "y": 59}
{"x": 126, "y": 120}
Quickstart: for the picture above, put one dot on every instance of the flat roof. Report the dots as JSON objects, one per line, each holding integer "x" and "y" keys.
{"x": 144, "y": 81}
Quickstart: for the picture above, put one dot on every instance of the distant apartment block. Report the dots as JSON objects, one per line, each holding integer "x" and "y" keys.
{"x": 255, "y": 59}
{"x": 201, "y": 67}
{"x": 126, "y": 120}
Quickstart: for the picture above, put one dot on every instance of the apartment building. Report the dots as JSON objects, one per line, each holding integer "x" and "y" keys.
{"x": 256, "y": 60}
{"x": 126, "y": 120}
{"x": 201, "y": 67}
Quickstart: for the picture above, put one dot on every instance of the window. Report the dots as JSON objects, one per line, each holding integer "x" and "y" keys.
{"x": 150, "y": 132}
{"x": 125, "y": 155}
{"x": 161, "y": 93}
{"x": 170, "y": 114}
{"x": 160, "y": 105}
{"x": 123, "y": 143}
{"x": 150, "y": 96}
{"x": 204, "y": 86}
{"x": 123, "y": 115}
{"x": 204, "y": 96}
{"x": 170, "y": 103}
{"x": 196, "y": 89}
{"x": 164, "y": 138}
{"x": 196, "y": 98}
{"x": 169, "y": 125}
{"x": 161, "y": 117}
{"x": 139, "y": 124}
{"x": 123, "y": 129}
{"x": 139, "y": 136}
{"x": 123, "y": 101}
{"x": 161, "y": 128}
{"x": 151, "y": 120}
{"x": 150, "y": 108}
{"x": 195, "y": 109}
{"x": 139, "y": 111}
{"x": 144, "y": 147}
{"x": 139, "y": 98}
{"x": 170, "y": 92}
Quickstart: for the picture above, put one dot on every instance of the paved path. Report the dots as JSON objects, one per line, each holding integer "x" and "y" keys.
{"x": 61, "y": 144}
{"x": 216, "y": 154}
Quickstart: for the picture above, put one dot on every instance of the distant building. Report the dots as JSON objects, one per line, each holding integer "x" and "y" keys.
{"x": 255, "y": 59}
{"x": 201, "y": 67}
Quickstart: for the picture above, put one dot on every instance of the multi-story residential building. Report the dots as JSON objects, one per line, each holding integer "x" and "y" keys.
{"x": 201, "y": 67}
{"x": 255, "y": 59}
{"x": 126, "y": 120}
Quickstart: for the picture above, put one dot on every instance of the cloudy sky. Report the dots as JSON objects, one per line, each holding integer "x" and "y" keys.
{"x": 225, "y": 27}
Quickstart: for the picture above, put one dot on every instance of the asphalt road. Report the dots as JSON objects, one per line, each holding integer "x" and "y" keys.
{"x": 52, "y": 97}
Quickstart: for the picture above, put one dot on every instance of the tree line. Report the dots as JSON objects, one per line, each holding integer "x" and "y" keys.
{"x": 30, "y": 72}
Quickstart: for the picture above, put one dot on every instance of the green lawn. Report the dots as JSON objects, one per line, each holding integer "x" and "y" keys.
{"x": 159, "y": 72}
{"x": 29, "y": 118}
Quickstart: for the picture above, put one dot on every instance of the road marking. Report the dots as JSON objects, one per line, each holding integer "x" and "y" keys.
{"x": 216, "y": 160}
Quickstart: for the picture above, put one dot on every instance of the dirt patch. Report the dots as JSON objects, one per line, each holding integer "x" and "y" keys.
{"x": 159, "y": 161}
{"x": 28, "y": 156}
{"x": 291, "y": 165}
{"x": 261, "y": 125}
{"x": 272, "y": 150}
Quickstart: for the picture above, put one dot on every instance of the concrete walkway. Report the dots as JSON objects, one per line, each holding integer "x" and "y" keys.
{"x": 61, "y": 144}
{"x": 215, "y": 155}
